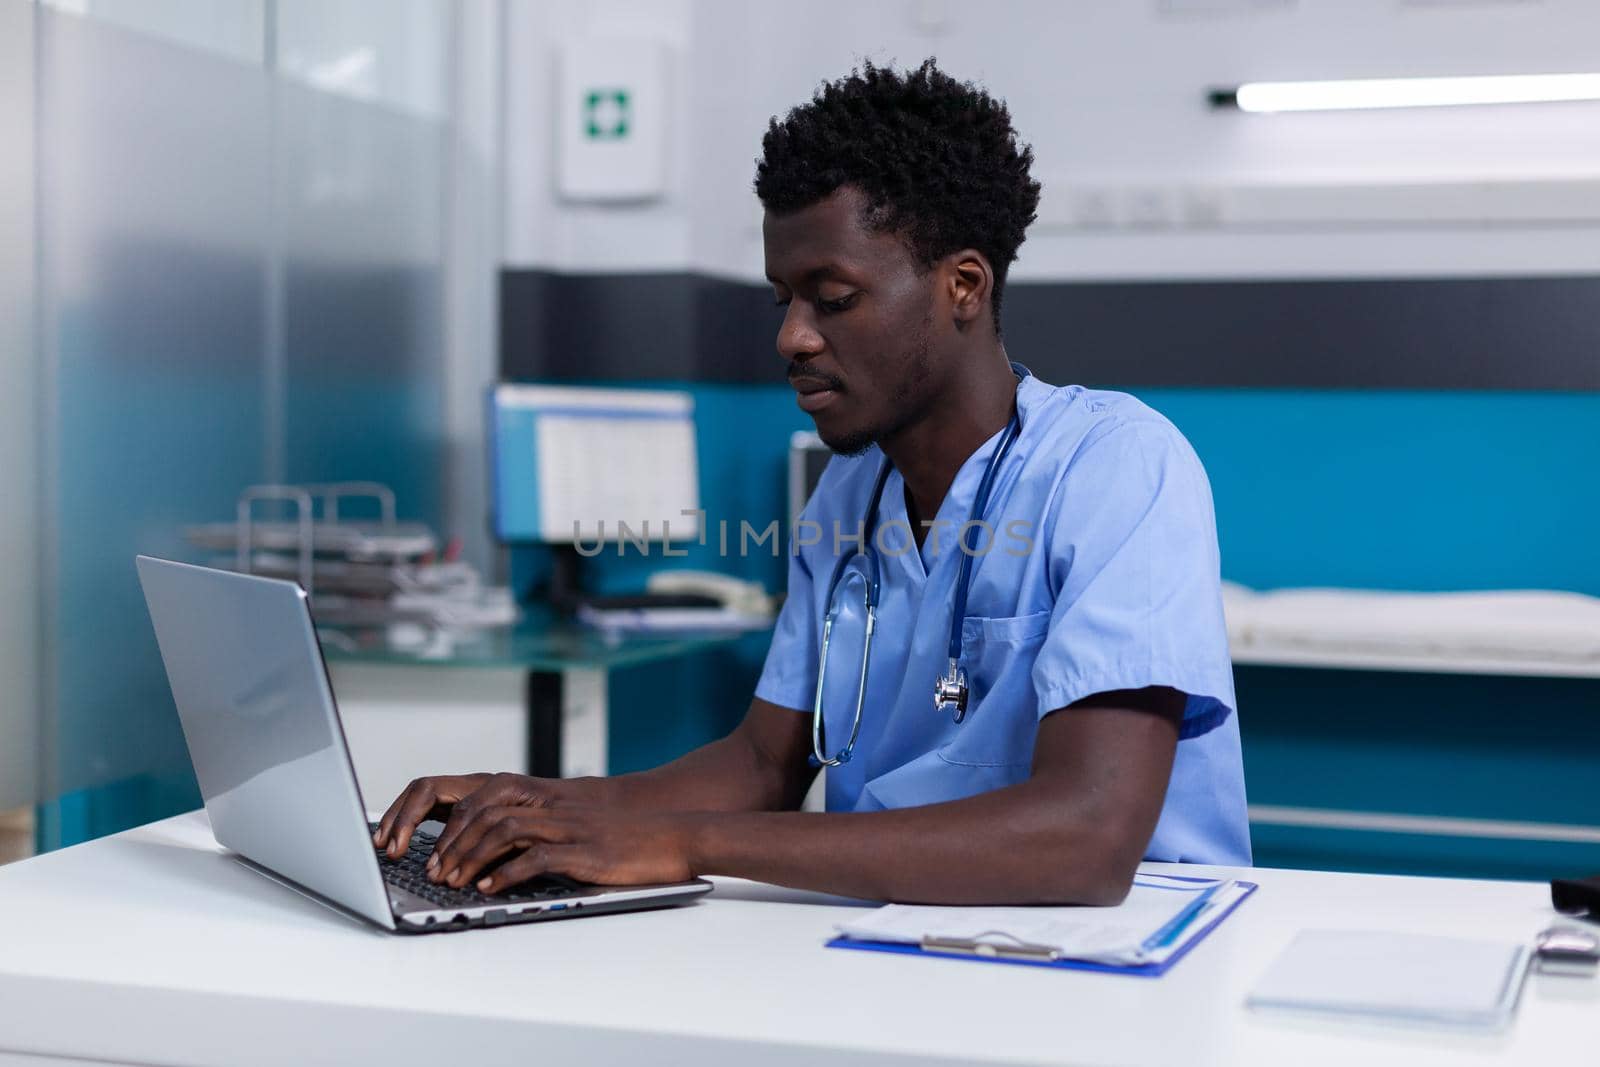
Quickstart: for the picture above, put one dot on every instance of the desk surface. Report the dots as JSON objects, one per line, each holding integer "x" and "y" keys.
{"x": 538, "y": 643}
{"x": 154, "y": 947}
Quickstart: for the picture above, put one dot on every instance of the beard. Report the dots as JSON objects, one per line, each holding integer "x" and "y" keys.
{"x": 851, "y": 444}
{"x": 907, "y": 403}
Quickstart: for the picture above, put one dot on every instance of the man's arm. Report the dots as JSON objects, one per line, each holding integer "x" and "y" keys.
{"x": 1074, "y": 832}
{"x": 760, "y": 766}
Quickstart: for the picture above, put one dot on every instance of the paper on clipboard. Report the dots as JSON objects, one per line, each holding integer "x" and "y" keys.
{"x": 1154, "y": 922}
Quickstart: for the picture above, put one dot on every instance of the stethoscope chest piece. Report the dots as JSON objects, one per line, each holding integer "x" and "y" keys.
{"x": 950, "y": 689}
{"x": 950, "y": 692}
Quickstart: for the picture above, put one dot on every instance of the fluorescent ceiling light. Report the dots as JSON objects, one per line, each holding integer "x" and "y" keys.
{"x": 1409, "y": 92}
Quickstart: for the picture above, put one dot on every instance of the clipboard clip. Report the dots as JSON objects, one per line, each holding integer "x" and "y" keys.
{"x": 976, "y": 946}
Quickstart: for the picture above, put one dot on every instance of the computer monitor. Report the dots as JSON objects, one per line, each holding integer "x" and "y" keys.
{"x": 807, "y": 458}
{"x": 574, "y": 465}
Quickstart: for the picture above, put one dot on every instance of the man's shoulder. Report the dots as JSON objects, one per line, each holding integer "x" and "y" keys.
{"x": 1075, "y": 423}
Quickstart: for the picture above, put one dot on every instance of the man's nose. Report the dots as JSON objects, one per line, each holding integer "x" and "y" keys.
{"x": 798, "y": 337}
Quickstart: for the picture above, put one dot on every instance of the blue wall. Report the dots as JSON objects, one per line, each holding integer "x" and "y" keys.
{"x": 1385, "y": 490}
{"x": 1410, "y": 490}
{"x": 1398, "y": 490}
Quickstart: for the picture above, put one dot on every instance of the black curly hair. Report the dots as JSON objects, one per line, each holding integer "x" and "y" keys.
{"x": 937, "y": 159}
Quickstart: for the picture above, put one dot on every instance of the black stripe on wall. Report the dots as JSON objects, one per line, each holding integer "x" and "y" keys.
{"x": 1470, "y": 333}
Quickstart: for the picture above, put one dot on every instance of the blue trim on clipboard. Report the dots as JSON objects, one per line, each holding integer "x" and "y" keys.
{"x": 1140, "y": 970}
{"x": 1174, "y": 878}
{"x": 1180, "y": 922}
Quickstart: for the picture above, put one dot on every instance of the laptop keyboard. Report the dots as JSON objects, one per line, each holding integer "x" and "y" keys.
{"x": 410, "y": 873}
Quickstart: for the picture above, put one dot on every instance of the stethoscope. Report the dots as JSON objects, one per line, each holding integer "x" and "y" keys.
{"x": 950, "y": 688}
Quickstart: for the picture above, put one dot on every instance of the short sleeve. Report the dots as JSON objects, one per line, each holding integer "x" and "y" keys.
{"x": 1134, "y": 568}
{"x": 789, "y": 677}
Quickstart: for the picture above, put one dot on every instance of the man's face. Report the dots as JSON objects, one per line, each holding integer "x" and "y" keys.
{"x": 859, "y": 323}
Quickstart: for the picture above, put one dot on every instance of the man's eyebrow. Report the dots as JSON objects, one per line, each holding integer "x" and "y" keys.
{"x": 815, "y": 274}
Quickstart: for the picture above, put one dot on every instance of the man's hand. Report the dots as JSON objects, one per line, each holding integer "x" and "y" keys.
{"x": 605, "y": 845}
{"x": 456, "y": 797}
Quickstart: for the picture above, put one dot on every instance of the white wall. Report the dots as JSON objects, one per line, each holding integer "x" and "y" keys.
{"x": 1111, "y": 95}
{"x": 19, "y": 603}
{"x": 541, "y": 230}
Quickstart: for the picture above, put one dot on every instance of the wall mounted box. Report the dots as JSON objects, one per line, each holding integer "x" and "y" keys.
{"x": 611, "y": 120}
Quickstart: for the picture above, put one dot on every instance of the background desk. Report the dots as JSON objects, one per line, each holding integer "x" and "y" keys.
{"x": 151, "y": 947}
{"x": 531, "y": 699}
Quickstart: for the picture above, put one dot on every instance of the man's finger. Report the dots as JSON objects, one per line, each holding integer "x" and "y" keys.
{"x": 416, "y": 805}
{"x": 386, "y": 825}
{"x": 381, "y": 834}
{"x": 477, "y": 823}
{"x": 540, "y": 859}
{"x": 506, "y": 833}
{"x": 461, "y": 816}
{"x": 498, "y": 790}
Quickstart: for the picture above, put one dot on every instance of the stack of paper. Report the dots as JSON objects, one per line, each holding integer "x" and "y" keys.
{"x": 671, "y": 620}
{"x": 1399, "y": 977}
{"x": 1160, "y": 916}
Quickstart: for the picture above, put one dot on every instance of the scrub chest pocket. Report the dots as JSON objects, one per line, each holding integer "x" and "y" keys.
{"x": 1003, "y": 718}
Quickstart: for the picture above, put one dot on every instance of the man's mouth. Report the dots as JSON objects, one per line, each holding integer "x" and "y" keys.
{"x": 814, "y": 394}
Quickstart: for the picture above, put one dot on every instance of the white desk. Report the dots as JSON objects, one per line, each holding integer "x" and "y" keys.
{"x": 152, "y": 947}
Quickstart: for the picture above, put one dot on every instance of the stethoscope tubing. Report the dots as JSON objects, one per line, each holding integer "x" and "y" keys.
{"x": 867, "y": 550}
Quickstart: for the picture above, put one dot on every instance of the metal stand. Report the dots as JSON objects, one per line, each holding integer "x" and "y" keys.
{"x": 567, "y": 734}
{"x": 544, "y": 724}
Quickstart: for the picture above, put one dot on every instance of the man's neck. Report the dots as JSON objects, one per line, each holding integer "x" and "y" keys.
{"x": 929, "y": 453}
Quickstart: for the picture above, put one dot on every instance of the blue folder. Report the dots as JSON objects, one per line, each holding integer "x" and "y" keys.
{"x": 1143, "y": 970}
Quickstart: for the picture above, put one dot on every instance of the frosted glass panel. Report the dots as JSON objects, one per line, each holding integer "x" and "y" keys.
{"x": 362, "y": 204}
{"x": 231, "y": 28}
{"x": 240, "y": 278}
{"x": 18, "y": 429}
{"x": 153, "y": 191}
{"x": 385, "y": 51}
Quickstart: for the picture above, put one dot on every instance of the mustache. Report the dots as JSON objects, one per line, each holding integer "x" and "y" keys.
{"x": 801, "y": 372}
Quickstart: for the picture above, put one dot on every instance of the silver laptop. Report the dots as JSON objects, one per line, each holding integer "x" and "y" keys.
{"x": 252, "y": 691}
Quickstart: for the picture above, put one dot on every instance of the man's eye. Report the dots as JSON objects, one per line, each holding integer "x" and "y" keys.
{"x": 833, "y": 307}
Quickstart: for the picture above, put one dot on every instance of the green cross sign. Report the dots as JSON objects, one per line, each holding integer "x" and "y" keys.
{"x": 607, "y": 114}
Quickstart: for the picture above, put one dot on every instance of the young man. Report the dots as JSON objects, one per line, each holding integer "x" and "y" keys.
{"x": 1088, "y": 665}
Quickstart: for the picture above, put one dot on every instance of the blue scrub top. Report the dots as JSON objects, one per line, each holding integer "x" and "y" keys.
{"x": 1101, "y": 573}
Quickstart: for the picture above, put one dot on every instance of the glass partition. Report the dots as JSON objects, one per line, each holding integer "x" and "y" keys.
{"x": 240, "y": 279}
{"x": 19, "y": 594}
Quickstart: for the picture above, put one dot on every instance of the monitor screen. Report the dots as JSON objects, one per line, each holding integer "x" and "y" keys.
{"x": 574, "y": 464}
{"x": 807, "y": 458}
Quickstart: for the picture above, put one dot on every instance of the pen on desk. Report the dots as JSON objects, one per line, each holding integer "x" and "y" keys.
{"x": 1181, "y": 921}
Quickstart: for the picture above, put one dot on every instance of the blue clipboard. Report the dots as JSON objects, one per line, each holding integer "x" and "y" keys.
{"x": 1142, "y": 970}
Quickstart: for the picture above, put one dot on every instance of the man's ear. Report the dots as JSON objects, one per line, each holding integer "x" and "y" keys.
{"x": 971, "y": 284}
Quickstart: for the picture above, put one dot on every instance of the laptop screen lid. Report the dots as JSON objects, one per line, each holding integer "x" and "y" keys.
{"x": 258, "y": 714}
